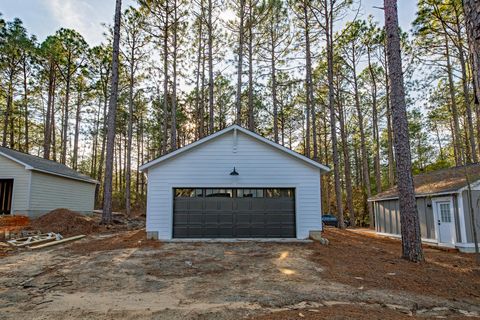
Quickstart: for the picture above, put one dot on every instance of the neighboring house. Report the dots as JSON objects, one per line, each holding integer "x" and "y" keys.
{"x": 32, "y": 186}
{"x": 443, "y": 203}
{"x": 233, "y": 184}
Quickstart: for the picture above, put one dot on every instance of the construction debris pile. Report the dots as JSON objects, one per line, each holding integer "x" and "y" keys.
{"x": 63, "y": 225}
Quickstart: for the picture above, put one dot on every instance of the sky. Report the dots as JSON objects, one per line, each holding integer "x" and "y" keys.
{"x": 44, "y": 17}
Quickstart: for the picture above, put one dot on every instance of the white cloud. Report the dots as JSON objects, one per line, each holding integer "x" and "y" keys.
{"x": 85, "y": 16}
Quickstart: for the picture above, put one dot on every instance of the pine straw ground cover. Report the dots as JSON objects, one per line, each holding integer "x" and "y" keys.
{"x": 370, "y": 262}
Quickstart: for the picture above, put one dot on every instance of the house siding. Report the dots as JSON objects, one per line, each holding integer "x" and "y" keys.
{"x": 209, "y": 165}
{"x": 468, "y": 216}
{"x": 9, "y": 169}
{"x": 387, "y": 217}
{"x": 50, "y": 192}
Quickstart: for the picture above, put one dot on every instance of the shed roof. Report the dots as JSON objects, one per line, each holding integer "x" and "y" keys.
{"x": 443, "y": 181}
{"x": 35, "y": 163}
{"x": 243, "y": 130}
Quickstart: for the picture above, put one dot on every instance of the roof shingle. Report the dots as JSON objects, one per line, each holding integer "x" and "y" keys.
{"x": 44, "y": 165}
{"x": 439, "y": 181}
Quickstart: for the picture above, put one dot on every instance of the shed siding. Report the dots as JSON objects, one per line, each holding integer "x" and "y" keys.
{"x": 468, "y": 217}
{"x": 11, "y": 170}
{"x": 209, "y": 165}
{"x": 50, "y": 192}
{"x": 387, "y": 213}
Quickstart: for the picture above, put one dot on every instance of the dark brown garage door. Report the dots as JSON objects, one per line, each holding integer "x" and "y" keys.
{"x": 234, "y": 213}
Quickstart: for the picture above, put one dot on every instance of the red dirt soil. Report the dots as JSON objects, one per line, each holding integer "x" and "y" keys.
{"x": 13, "y": 223}
{"x": 65, "y": 222}
{"x": 122, "y": 240}
{"x": 366, "y": 261}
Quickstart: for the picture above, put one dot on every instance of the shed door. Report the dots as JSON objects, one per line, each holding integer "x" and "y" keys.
{"x": 445, "y": 222}
{"x": 6, "y": 192}
{"x": 234, "y": 213}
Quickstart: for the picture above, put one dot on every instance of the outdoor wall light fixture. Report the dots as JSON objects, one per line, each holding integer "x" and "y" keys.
{"x": 234, "y": 172}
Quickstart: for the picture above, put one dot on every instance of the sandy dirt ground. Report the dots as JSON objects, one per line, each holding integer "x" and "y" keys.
{"x": 124, "y": 276}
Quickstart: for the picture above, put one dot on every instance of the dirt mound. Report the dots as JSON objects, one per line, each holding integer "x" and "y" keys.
{"x": 124, "y": 240}
{"x": 65, "y": 222}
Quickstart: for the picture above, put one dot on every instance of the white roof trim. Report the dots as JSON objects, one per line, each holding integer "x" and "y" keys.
{"x": 28, "y": 167}
{"x": 147, "y": 165}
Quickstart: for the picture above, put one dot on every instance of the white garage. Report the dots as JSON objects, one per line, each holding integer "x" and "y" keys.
{"x": 233, "y": 184}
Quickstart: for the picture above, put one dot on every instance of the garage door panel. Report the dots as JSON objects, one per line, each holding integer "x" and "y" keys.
{"x": 225, "y": 218}
{"x": 224, "y": 215}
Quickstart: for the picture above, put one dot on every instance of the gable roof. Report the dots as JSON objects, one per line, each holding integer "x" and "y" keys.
{"x": 31, "y": 162}
{"x": 192, "y": 145}
{"x": 443, "y": 181}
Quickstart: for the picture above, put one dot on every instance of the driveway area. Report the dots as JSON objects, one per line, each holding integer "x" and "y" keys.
{"x": 124, "y": 276}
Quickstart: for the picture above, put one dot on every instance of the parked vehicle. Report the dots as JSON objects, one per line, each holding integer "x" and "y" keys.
{"x": 329, "y": 220}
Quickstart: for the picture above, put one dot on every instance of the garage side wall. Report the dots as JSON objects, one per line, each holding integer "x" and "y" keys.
{"x": 387, "y": 217}
{"x": 12, "y": 170}
{"x": 209, "y": 165}
{"x": 468, "y": 215}
{"x": 50, "y": 192}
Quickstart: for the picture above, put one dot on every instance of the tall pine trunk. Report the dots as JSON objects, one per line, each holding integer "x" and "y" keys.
{"x": 210, "y": 69}
{"x": 410, "y": 226}
{"x": 112, "y": 114}
{"x": 331, "y": 98}
{"x": 238, "y": 101}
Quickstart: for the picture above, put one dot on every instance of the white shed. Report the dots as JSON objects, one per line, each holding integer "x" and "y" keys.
{"x": 233, "y": 184}
{"x": 32, "y": 186}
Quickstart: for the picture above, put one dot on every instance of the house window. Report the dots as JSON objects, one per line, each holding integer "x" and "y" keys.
{"x": 223, "y": 193}
{"x": 188, "y": 193}
{"x": 250, "y": 193}
{"x": 445, "y": 213}
{"x": 279, "y": 193}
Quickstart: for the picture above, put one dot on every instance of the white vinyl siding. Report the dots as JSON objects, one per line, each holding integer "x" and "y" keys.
{"x": 50, "y": 192}
{"x": 12, "y": 170}
{"x": 209, "y": 165}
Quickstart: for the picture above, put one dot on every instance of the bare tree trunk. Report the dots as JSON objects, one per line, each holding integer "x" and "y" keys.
{"x": 68, "y": 76}
{"x": 466, "y": 93}
{"x": 363, "y": 144}
{"x": 199, "y": 120}
{"x": 391, "y": 157}
{"x": 472, "y": 17}
{"x": 451, "y": 85}
{"x": 274, "y": 84}
{"x": 112, "y": 113}
{"x": 251, "y": 121}
{"x": 410, "y": 226}
{"x": 331, "y": 98}
{"x": 8, "y": 112}
{"x": 165, "y": 80}
{"x": 25, "y": 103}
{"x": 77, "y": 131}
{"x": 47, "y": 138}
{"x": 128, "y": 171}
{"x": 376, "y": 135}
{"x": 210, "y": 69}
{"x": 238, "y": 102}
{"x": 308, "y": 75}
{"x": 173, "y": 134}
{"x": 346, "y": 161}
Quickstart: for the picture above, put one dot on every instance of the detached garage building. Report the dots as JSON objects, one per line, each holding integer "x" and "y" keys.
{"x": 443, "y": 204}
{"x": 233, "y": 184}
{"x": 32, "y": 186}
